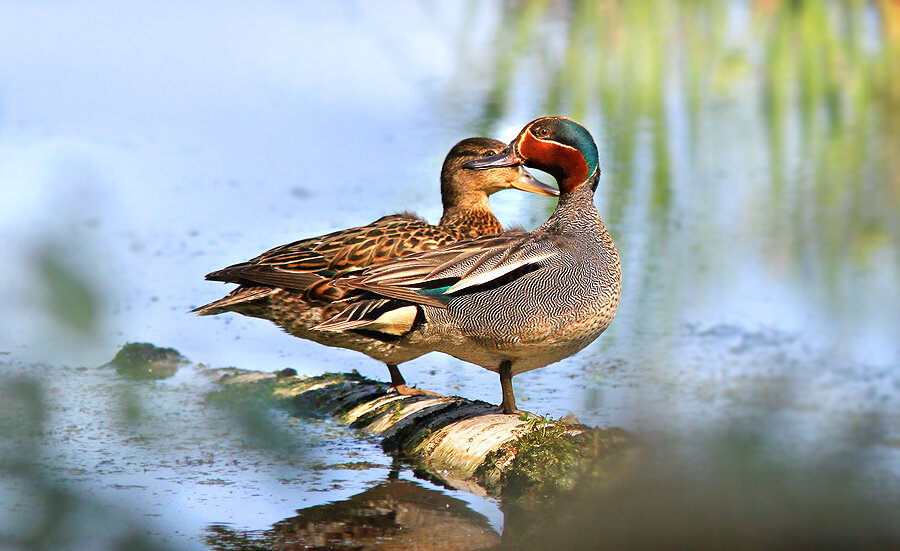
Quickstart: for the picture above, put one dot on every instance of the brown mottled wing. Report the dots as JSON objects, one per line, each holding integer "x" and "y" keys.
{"x": 434, "y": 277}
{"x": 300, "y": 264}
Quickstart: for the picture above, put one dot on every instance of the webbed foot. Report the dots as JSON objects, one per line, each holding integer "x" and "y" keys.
{"x": 404, "y": 390}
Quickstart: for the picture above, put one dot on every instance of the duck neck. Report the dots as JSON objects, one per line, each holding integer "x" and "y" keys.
{"x": 471, "y": 214}
{"x": 575, "y": 212}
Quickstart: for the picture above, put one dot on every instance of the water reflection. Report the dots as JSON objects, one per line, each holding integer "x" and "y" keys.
{"x": 395, "y": 514}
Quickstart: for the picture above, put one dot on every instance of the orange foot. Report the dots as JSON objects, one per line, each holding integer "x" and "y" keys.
{"x": 509, "y": 411}
{"x": 404, "y": 390}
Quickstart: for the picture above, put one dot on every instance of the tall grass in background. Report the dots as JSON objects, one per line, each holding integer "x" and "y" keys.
{"x": 802, "y": 96}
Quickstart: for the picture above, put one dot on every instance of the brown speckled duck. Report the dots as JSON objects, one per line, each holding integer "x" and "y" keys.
{"x": 291, "y": 284}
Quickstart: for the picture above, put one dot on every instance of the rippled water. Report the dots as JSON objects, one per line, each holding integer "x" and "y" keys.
{"x": 750, "y": 186}
{"x": 158, "y": 456}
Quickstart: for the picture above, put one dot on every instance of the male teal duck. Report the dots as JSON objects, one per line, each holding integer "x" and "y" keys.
{"x": 511, "y": 302}
{"x": 290, "y": 284}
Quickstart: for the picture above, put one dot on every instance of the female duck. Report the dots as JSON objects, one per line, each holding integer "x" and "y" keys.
{"x": 512, "y": 302}
{"x": 290, "y": 284}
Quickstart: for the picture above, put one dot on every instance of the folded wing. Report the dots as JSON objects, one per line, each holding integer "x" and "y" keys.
{"x": 303, "y": 263}
{"x": 434, "y": 278}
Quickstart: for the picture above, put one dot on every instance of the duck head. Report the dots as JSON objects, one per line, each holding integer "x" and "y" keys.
{"x": 559, "y": 146}
{"x": 456, "y": 183}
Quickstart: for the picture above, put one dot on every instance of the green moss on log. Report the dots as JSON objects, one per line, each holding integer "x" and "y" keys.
{"x": 548, "y": 459}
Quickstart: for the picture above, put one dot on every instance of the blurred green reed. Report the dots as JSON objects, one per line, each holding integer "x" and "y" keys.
{"x": 835, "y": 62}
{"x": 801, "y": 98}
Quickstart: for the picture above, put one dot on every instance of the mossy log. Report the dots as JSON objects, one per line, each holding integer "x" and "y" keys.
{"x": 464, "y": 443}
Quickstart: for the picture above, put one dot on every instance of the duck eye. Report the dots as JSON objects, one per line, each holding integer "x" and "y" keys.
{"x": 543, "y": 132}
{"x": 489, "y": 152}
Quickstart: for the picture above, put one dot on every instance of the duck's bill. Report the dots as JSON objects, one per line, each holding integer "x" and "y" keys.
{"x": 504, "y": 158}
{"x": 529, "y": 183}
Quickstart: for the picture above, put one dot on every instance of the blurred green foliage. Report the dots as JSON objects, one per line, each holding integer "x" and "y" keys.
{"x": 786, "y": 114}
{"x": 731, "y": 490}
{"x": 69, "y": 295}
{"x": 836, "y": 60}
{"x": 50, "y": 514}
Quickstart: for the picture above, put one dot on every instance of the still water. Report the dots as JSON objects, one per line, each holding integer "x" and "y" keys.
{"x": 750, "y": 181}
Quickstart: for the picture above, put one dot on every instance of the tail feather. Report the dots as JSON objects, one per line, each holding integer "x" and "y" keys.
{"x": 239, "y": 296}
{"x": 255, "y": 274}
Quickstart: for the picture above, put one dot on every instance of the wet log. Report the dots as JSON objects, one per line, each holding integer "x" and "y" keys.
{"x": 463, "y": 443}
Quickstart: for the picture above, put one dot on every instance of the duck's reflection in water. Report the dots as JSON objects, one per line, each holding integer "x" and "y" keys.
{"x": 393, "y": 515}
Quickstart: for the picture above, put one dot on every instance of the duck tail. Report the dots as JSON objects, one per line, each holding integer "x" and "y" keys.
{"x": 233, "y": 300}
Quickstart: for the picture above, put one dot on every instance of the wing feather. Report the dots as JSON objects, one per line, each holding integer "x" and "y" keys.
{"x": 380, "y": 315}
{"x": 434, "y": 277}
{"x": 300, "y": 264}
{"x": 497, "y": 272}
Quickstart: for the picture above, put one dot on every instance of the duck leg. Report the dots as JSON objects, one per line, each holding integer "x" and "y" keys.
{"x": 508, "y": 405}
{"x": 398, "y": 384}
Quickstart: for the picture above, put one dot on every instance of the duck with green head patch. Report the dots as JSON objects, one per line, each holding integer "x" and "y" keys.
{"x": 511, "y": 302}
{"x": 291, "y": 284}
